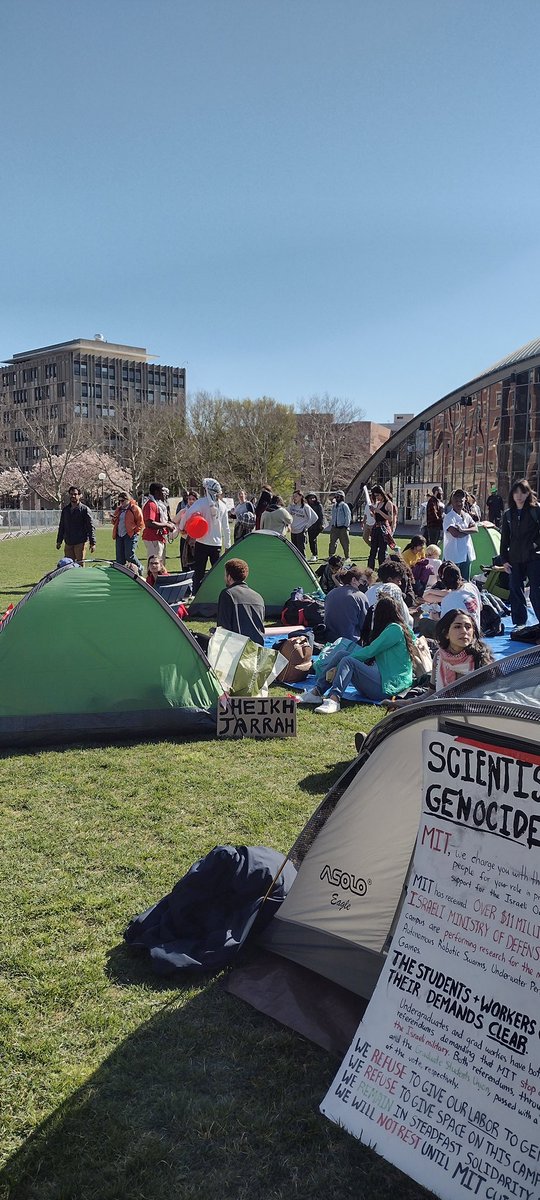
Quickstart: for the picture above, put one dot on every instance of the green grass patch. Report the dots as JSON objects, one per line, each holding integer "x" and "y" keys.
{"x": 114, "y": 1085}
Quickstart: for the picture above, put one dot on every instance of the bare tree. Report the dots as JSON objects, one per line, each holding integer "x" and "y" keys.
{"x": 48, "y": 477}
{"x": 326, "y": 441}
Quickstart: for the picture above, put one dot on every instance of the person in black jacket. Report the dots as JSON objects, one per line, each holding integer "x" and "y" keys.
{"x": 76, "y": 528}
{"x": 240, "y": 609}
{"x": 520, "y": 549}
{"x": 314, "y": 530}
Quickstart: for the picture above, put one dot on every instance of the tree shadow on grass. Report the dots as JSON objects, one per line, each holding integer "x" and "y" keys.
{"x": 207, "y": 1099}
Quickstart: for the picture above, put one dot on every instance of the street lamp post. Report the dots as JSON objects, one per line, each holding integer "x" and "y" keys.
{"x": 102, "y": 477}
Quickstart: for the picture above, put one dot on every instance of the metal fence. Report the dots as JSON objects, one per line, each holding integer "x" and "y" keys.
{"x": 19, "y": 520}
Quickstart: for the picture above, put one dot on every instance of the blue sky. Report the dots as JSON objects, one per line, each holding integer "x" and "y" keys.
{"x": 292, "y": 196}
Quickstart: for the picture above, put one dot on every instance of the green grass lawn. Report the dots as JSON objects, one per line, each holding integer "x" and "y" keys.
{"x": 115, "y": 1086}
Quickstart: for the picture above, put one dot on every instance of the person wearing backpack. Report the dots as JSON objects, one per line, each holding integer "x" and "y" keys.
{"x": 520, "y": 549}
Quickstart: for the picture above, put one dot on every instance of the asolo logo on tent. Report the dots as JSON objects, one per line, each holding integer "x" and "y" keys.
{"x": 345, "y": 880}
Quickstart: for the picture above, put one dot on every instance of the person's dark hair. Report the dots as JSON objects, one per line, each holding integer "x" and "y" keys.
{"x": 192, "y": 492}
{"x": 377, "y": 490}
{"x": 416, "y": 542}
{"x": 387, "y": 613}
{"x": 277, "y": 500}
{"x": 73, "y": 488}
{"x": 346, "y": 577}
{"x": 436, "y": 491}
{"x": 480, "y": 653}
{"x": 155, "y": 487}
{"x": 297, "y": 492}
{"x": 451, "y": 577}
{"x": 458, "y": 492}
{"x": 237, "y": 568}
{"x": 311, "y": 496}
{"x": 335, "y": 562}
{"x": 524, "y": 486}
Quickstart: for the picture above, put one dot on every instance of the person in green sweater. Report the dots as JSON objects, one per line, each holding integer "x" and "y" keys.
{"x": 382, "y": 668}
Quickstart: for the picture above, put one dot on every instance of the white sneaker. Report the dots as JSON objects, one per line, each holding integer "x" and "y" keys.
{"x": 328, "y": 706}
{"x": 311, "y": 697}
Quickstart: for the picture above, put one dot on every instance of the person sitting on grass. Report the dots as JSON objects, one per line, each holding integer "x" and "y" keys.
{"x": 155, "y": 567}
{"x": 395, "y": 573}
{"x": 456, "y": 592}
{"x": 461, "y": 649}
{"x": 240, "y": 609}
{"x": 345, "y": 607}
{"x": 328, "y": 573}
{"x": 382, "y": 668}
{"x": 414, "y": 551}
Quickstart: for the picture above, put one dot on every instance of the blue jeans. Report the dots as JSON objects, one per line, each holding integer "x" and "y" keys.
{"x": 365, "y": 678}
{"x": 125, "y": 550}
{"x": 519, "y": 574}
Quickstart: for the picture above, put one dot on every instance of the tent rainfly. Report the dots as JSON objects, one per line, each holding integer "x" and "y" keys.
{"x": 275, "y": 568}
{"x": 97, "y": 651}
{"x": 335, "y": 927}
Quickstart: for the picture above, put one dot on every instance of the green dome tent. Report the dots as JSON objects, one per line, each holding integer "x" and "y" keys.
{"x": 487, "y": 545}
{"x": 275, "y": 569}
{"x": 97, "y": 651}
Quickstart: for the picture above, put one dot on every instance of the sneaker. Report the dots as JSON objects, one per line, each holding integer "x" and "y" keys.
{"x": 311, "y": 697}
{"x": 328, "y": 706}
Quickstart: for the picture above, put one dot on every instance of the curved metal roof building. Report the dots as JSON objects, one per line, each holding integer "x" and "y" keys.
{"x": 480, "y": 437}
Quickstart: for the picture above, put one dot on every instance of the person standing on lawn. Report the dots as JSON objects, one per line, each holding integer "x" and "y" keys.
{"x": 156, "y": 525}
{"x": 340, "y": 524}
{"x": 76, "y": 528}
{"x": 314, "y": 530}
{"x": 127, "y": 525}
{"x": 458, "y": 526}
{"x": 210, "y": 545}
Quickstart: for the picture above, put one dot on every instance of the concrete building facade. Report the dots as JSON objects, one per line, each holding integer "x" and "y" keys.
{"x": 92, "y": 384}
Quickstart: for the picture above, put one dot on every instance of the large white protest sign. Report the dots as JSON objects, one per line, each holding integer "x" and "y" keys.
{"x": 443, "y": 1075}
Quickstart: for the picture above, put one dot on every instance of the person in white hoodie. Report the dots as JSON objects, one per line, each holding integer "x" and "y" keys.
{"x": 218, "y": 538}
{"x": 302, "y": 517}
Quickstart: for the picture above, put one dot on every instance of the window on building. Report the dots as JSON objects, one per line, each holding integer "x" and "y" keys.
{"x": 97, "y": 370}
{"x": 50, "y": 371}
{"x": 132, "y": 374}
{"x": 137, "y": 374}
{"x": 62, "y": 387}
{"x": 125, "y": 373}
{"x": 150, "y": 397}
{"x": 163, "y": 397}
{"x": 112, "y": 371}
{"x": 77, "y": 410}
{"x": 76, "y": 368}
{"x": 98, "y": 410}
{"x": 84, "y": 410}
{"x": 84, "y": 389}
{"x": 62, "y": 431}
{"x": 138, "y": 395}
{"x": 84, "y": 368}
{"x": 98, "y": 391}
{"x": 112, "y": 392}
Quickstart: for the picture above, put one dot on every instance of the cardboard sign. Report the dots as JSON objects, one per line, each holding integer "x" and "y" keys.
{"x": 443, "y": 1075}
{"x": 257, "y": 716}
